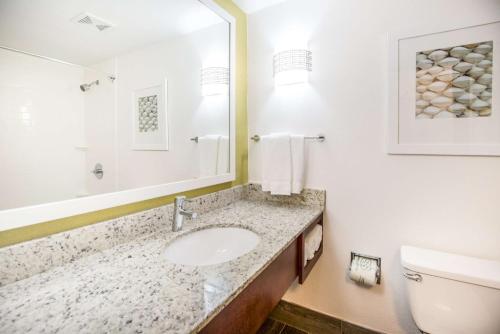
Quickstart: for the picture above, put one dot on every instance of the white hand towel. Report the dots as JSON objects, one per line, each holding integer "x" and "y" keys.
{"x": 208, "y": 147}
{"x": 297, "y": 143}
{"x": 312, "y": 242}
{"x": 223, "y": 156}
{"x": 277, "y": 164}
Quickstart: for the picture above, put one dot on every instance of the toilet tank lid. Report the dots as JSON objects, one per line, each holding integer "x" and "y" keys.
{"x": 456, "y": 267}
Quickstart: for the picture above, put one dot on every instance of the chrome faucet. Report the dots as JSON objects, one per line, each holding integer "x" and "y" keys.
{"x": 180, "y": 213}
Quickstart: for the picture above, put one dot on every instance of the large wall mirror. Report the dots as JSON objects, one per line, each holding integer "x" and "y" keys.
{"x": 104, "y": 103}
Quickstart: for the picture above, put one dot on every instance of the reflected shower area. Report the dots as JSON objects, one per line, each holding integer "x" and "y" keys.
{"x": 114, "y": 113}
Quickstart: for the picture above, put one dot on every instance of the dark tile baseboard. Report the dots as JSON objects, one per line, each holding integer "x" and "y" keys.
{"x": 295, "y": 319}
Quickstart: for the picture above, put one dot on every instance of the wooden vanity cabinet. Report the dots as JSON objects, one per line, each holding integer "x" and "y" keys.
{"x": 248, "y": 311}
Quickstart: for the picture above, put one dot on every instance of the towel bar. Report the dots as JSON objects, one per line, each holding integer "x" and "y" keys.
{"x": 195, "y": 139}
{"x": 320, "y": 138}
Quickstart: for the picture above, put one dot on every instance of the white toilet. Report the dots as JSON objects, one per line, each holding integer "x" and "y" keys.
{"x": 452, "y": 294}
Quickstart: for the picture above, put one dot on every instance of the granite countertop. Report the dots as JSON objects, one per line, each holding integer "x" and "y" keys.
{"x": 132, "y": 288}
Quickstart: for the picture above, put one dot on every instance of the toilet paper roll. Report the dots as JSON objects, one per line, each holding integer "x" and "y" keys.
{"x": 364, "y": 270}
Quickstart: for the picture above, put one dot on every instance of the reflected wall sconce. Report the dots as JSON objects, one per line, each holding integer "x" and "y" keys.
{"x": 292, "y": 66}
{"x": 214, "y": 81}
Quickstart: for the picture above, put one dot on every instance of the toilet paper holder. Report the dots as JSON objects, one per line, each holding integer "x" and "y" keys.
{"x": 378, "y": 274}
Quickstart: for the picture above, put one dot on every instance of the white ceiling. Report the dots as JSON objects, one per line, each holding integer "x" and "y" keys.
{"x": 250, "y": 6}
{"x": 44, "y": 27}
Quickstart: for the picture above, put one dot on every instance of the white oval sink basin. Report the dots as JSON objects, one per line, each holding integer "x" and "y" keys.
{"x": 211, "y": 246}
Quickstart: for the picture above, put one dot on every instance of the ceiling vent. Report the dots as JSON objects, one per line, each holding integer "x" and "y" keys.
{"x": 92, "y": 20}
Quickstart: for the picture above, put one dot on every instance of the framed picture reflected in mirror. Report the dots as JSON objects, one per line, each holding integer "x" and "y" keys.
{"x": 150, "y": 123}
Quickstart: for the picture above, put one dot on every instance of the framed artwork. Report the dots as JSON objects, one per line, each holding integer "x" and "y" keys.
{"x": 443, "y": 89}
{"x": 149, "y": 118}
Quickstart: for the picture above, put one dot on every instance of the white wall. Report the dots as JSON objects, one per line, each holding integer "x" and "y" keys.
{"x": 375, "y": 202}
{"x": 100, "y": 127}
{"x": 108, "y": 110}
{"x": 178, "y": 60}
{"x": 41, "y": 112}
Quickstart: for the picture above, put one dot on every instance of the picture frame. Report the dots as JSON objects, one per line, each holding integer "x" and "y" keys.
{"x": 150, "y": 119}
{"x": 447, "y": 104}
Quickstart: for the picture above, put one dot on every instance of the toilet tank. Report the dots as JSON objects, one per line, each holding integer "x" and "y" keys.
{"x": 452, "y": 294}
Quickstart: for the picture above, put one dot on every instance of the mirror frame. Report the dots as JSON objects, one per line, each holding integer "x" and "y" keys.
{"x": 29, "y": 215}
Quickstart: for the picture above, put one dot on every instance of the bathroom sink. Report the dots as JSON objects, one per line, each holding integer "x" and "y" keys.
{"x": 211, "y": 246}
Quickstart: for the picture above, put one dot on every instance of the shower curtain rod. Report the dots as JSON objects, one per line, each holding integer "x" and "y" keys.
{"x": 112, "y": 77}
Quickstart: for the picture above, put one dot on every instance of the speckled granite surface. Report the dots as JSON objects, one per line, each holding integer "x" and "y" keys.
{"x": 309, "y": 197}
{"x": 126, "y": 285}
{"x": 29, "y": 258}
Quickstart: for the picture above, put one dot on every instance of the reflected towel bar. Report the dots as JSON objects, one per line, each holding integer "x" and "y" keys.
{"x": 320, "y": 138}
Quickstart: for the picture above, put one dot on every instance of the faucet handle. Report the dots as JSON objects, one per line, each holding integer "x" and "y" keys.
{"x": 180, "y": 200}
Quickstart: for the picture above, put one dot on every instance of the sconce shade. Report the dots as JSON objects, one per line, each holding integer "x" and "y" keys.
{"x": 292, "y": 66}
{"x": 214, "y": 81}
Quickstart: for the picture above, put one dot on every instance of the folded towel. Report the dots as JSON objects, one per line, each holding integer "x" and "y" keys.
{"x": 223, "y": 156}
{"x": 312, "y": 242}
{"x": 277, "y": 164}
{"x": 297, "y": 148}
{"x": 208, "y": 147}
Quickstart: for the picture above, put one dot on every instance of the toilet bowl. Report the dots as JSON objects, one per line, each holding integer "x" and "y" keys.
{"x": 452, "y": 294}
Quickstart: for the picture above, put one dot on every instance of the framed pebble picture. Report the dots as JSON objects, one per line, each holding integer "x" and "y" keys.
{"x": 443, "y": 92}
{"x": 149, "y": 119}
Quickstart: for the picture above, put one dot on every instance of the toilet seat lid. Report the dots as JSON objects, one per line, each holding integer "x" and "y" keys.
{"x": 451, "y": 266}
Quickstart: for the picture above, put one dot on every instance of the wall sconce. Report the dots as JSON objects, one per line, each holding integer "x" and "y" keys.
{"x": 292, "y": 66}
{"x": 214, "y": 81}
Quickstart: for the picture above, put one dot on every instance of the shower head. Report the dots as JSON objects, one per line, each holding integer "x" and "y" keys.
{"x": 86, "y": 87}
